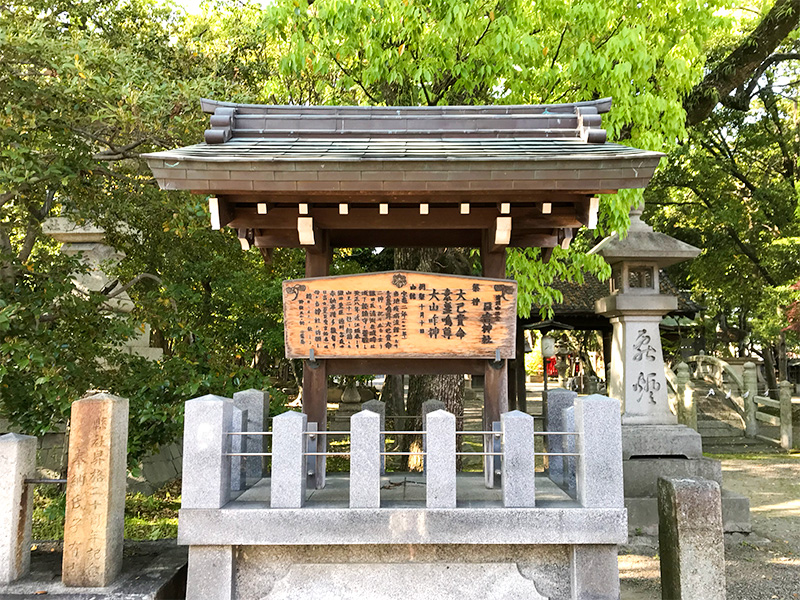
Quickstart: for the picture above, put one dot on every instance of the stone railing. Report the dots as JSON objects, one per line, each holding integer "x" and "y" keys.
{"x": 217, "y": 448}
{"x": 741, "y": 392}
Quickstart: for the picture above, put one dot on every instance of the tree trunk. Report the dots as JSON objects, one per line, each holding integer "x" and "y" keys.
{"x": 447, "y": 388}
{"x": 769, "y": 372}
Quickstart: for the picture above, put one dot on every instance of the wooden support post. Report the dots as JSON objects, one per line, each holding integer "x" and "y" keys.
{"x": 522, "y": 397}
{"x": 495, "y": 388}
{"x": 513, "y": 365}
{"x": 315, "y": 375}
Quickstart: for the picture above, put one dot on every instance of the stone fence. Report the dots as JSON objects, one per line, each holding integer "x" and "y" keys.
{"x": 742, "y": 391}
{"x": 291, "y": 531}
{"x": 222, "y": 457}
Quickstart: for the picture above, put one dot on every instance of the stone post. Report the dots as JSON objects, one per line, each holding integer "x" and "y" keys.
{"x": 365, "y": 460}
{"x": 687, "y": 410}
{"x": 94, "y": 528}
{"x": 256, "y": 403}
{"x": 288, "y": 483}
{"x": 750, "y": 379}
{"x": 428, "y": 407}
{"x": 599, "y": 473}
{"x": 440, "y": 458}
{"x": 210, "y": 573}
{"x": 786, "y": 414}
{"x": 570, "y": 445}
{"x": 238, "y": 445}
{"x": 206, "y": 470}
{"x": 519, "y": 460}
{"x": 379, "y": 407}
{"x": 690, "y": 539}
{"x": 555, "y": 401}
{"x": 17, "y": 463}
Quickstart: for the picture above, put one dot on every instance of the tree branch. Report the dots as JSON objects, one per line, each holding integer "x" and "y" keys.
{"x": 745, "y": 59}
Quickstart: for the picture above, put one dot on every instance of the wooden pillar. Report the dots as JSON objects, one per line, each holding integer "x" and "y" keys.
{"x": 495, "y": 387}
{"x": 315, "y": 375}
{"x": 608, "y": 338}
{"x": 522, "y": 396}
{"x": 513, "y": 366}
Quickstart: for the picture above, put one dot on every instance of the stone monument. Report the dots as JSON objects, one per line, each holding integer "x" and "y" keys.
{"x": 95, "y": 519}
{"x": 653, "y": 443}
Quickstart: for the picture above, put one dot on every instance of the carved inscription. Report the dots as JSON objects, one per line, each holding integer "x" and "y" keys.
{"x": 642, "y": 348}
{"x": 646, "y": 384}
{"x": 399, "y": 314}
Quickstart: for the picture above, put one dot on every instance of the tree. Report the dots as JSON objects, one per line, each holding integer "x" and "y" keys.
{"x": 732, "y": 189}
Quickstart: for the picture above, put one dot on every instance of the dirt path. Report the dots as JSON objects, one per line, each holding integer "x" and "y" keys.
{"x": 763, "y": 565}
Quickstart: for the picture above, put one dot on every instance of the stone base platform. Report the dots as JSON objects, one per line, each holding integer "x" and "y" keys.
{"x": 555, "y": 551}
{"x": 150, "y": 571}
{"x": 643, "y": 514}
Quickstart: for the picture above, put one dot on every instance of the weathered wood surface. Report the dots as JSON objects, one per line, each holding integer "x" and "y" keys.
{"x": 400, "y": 314}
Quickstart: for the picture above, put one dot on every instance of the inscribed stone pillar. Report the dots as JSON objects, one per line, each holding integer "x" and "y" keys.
{"x": 17, "y": 463}
{"x": 94, "y": 525}
{"x": 637, "y": 368}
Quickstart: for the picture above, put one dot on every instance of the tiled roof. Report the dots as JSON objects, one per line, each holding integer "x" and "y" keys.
{"x": 579, "y": 298}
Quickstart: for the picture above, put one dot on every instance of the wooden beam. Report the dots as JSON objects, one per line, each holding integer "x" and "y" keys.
{"x": 221, "y": 212}
{"x": 412, "y": 198}
{"x": 405, "y": 366}
{"x": 502, "y": 232}
{"x": 306, "y": 232}
{"x": 524, "y": 239}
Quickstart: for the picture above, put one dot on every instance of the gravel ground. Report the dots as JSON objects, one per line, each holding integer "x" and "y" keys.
{"x": 762, "y": 566}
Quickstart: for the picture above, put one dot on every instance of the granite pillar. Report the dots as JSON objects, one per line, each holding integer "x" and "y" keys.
{"x": 256, "y": 403}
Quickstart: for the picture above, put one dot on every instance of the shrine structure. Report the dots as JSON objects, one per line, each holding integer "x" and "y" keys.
{"x": 487, "y": 177}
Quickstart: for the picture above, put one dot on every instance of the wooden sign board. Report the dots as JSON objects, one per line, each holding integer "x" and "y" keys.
{"x": 400, "y": 314}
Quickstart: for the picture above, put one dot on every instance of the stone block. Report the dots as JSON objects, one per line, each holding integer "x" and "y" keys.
{"x": 17, "y": 463}
{"x": 206, "y": 479}
{"x": 428, "y": 406}
{"x": 365, "y": 460}
{"x": 643, "y": 514}
{"x": 94, "y": 527}
{"x": 599, "y": 473}
{"x": 660, "y": 440}
{"x": 256, "y": 403}
{"x": 440, "y": 476}
{"x": 641, "y": 474}
{"x": 210, "y": 573}
{"x": 519, "y": 460}
{"x": 554, "y": 403}
{"x": 288, "y": 482}
{"x": 690, "y": 540}
{"x": 237, "y": 446}
{"x": 570, "y": 446}
{"x": 594, "y": 572}
{"x": 379, "y": 407}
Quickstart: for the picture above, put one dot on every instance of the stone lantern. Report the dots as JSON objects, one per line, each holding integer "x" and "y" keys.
{"x": 635, "y": 307}
{"x": 654, "y": 445}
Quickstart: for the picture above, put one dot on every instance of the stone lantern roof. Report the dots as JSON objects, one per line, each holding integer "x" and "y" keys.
{"x": 642, "y": 244}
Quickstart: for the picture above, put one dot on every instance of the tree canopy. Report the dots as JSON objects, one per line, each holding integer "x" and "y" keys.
{"x": 88, "y": 86}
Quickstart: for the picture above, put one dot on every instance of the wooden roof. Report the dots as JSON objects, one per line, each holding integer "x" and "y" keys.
{"x": 405, "y": 176}
{"x": 578, "y": 305}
